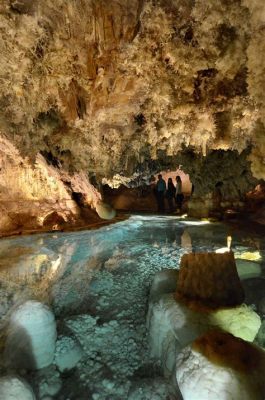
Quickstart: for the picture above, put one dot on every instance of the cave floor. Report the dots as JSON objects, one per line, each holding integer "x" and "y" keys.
{"x": 97, "y": 284}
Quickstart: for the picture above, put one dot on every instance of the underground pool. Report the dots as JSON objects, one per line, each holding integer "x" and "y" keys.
{"x": 96, "y": 284}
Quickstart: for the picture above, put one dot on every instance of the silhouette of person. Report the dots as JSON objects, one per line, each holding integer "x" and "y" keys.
{"x": 170, "y": 194}
{"x": 160, "y": 193}
{"x": 179, "y": 194}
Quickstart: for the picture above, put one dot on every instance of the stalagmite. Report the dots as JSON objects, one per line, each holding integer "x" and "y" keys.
{"x": 14, "y": 388}
{"x": 205, "y": 292}
{"x": 218, "y": 365}
{"x": 105, "y": 211}
{"x": 31, "y": 336}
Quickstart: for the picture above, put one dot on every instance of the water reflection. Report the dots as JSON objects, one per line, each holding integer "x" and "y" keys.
{"x": 186, "y": 242}
{"x": 48, "y": 268}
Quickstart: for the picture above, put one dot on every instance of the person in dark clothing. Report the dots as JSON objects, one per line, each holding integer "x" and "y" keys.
{"x": 170, "y": 194}
{"x": 160, "y": 193}
{"x": 179, "y": 194}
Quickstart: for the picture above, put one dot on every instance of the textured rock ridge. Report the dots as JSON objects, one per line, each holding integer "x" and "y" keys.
{"x": 110, "y": 87}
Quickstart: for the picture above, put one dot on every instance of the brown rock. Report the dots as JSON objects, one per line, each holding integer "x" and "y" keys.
{"x": 22, "y": 6}
{"x": 226, "y": 350}
{"x": 209, "y": 281}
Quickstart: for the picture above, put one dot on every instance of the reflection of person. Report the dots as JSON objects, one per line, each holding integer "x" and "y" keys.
{"x": 160, "y": 193}
{"x": 179, "y": 194}
{"x": 170, "y": 194}
{"x": 186, "y": 242}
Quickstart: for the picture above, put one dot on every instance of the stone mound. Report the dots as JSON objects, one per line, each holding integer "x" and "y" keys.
{"x": 226, "y": 350}
{"x": 220, "y": 366}
{"x": 209, "y": 281}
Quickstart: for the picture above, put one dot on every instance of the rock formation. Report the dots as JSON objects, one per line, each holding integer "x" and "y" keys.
{"x": 108, "y": 88}
{"x": 206, "y": 292}
{"x": 218, "y": 365}
{"x": 12, "y": 387}
{"x": 31, "y": 336}
{"x": 209, "y": 281}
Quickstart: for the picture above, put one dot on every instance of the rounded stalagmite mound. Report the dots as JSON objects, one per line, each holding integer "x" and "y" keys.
{"x": 220, "y": 365}
{"x": 208, "y": 281}
{"x": 226, "y": 350}
{"x": 31, "y": 336}
{"x": 105, "y": 211}
{"x": 14, "y": 387}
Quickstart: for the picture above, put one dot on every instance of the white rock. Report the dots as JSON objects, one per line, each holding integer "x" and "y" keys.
{"x": 173, "y": 326}
{"x": 68, "y": 353}
{"x": 199, "y": 379}
{"x": 31, "y": 337}
{"x": 14, "y": 388}
{"x": 105, "y": 211}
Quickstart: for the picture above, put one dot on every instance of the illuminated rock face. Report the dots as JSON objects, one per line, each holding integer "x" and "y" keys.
{"x": 39, "y": 195}
{"x": 31, "y": 337}
{"x": 113, "y": 87}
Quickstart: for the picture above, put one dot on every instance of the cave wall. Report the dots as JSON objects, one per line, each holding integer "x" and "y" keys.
{"x": 40, "y": 195}
{"x": 103, "y": 86}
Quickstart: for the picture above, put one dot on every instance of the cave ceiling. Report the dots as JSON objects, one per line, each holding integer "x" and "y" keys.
{"x": 103, "y": 86}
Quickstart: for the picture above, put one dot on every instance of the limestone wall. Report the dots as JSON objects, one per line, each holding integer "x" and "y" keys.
{"x": 106, "y": 87}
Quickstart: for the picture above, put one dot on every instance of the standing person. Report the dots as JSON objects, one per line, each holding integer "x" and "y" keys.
{"x": 160, "y": 193}
{"x": 179, "y": 194}
{"x": 170, "y": 194}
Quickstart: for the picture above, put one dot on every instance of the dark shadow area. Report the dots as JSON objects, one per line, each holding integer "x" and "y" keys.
{"x": 18, "y": 353}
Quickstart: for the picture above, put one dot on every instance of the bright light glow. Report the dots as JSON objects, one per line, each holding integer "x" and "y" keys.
{"x": 225, "y": 249}
{"x": 222, "y": 250}
{"x": 195, "y": 222}
{"x": 155, "y": 217}
{"x": 230, "y": 211}
{"x": 56, "y": 264}
{"x": 40, "y": 220}
{"x": 249, "y": 255}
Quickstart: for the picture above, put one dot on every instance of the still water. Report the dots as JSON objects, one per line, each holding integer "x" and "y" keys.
{"x": 97, "y": 283}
